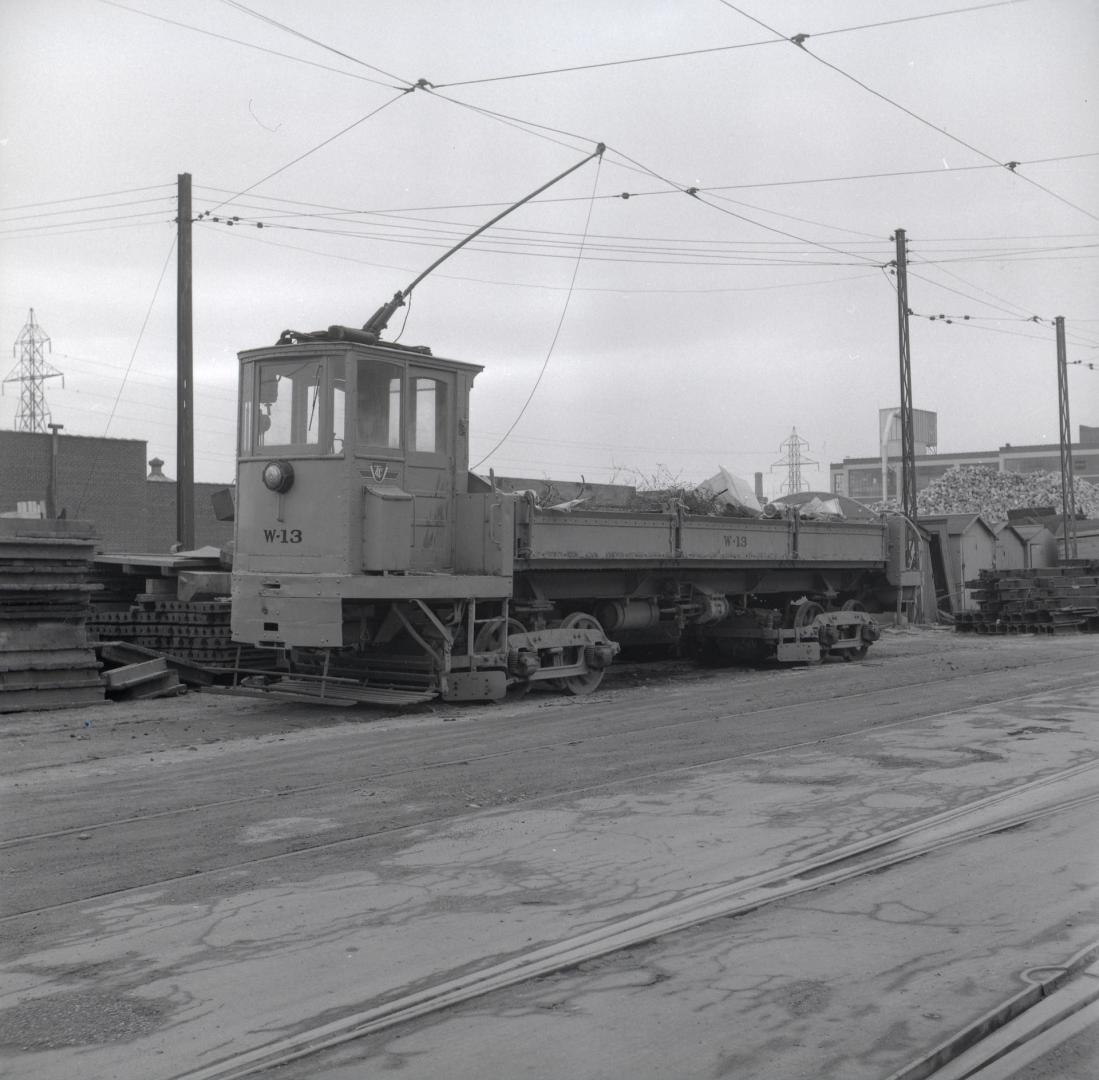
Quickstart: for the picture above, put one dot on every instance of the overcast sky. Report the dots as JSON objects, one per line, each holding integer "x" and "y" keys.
{"x": 673, "y": 332}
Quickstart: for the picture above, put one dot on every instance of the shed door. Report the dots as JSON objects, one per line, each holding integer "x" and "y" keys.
{"x": 429, "y": 472}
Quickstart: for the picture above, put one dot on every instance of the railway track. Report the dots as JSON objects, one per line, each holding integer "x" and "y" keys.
{"x": 1056, "y": 1005}
{"x": 1069, "y": 790}
{"x": 302, "y": 849}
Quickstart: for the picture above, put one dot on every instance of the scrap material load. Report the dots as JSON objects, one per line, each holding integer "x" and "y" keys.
{"x": 1050, "y": 600}
{"x": 990, "y": 493}
{"x": 46, "y": 661}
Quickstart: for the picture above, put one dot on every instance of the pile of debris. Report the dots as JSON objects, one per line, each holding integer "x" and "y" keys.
{"x": 46, "y": 661}
{"x": 992, "y": 494}
{"x": 1049, "y": 600}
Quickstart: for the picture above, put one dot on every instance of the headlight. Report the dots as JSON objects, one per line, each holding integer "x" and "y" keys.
{"x": 278, "y": 475}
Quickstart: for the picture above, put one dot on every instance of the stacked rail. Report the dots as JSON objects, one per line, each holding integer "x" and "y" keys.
{"x": 1050, "y": 600}
{"x": 46, "y": 661}
{"x": 193, "y": 630}
{"x": 197, "y": 631}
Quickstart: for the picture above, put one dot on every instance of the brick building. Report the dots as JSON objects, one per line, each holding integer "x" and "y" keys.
{"x": 104, "y": 481}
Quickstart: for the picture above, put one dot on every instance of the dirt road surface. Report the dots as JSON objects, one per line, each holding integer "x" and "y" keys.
{"x": 192, "y": 885}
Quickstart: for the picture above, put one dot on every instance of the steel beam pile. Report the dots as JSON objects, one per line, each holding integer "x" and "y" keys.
{"x": 46, "y": 661}
{"x": 1051, "y": 600}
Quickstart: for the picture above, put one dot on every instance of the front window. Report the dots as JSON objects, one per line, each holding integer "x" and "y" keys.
{"x": 299, "y": 405}
{"x": 289, "y": 396}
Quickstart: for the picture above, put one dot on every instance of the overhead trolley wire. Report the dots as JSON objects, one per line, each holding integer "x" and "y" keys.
{"x": 322, "y": 208}
{"x": 246, "y": 44}
{"x": 710, "y": 49}
{"x": 939, "y": 171}
{"x": 1011, "y": 166}
{"x": 696, "y": 194}
{"x": 313, "y": 150}
{"x": 638, "y": 167}
{"x": 236, "y": 5}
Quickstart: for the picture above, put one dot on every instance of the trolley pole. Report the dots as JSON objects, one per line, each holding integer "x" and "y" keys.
{"x": 1068, "y": 487}
{"x": 908, "y": 444}
{"x": 185, "y": 465}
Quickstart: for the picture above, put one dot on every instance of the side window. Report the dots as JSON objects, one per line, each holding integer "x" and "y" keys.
{"x": 378, "y": 404}
{"x": 247, "y": 392}
{"x": 338, "y": 405}
{"x": 429, "y": 404}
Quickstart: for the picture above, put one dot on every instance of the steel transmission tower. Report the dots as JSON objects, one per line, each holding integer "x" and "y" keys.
{"x": 31, "y": 372}
{"x": 793, "y": 462}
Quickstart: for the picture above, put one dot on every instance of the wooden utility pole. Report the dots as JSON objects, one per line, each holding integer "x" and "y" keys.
{"x": 908, "y": 444}
{"x": 1068, "y": 492}
{"x": 185, "y": 463}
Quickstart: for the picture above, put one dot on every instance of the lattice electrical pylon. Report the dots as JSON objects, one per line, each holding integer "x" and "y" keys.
{"x": 31, "y": 372}
{"x": 793, "y": 462}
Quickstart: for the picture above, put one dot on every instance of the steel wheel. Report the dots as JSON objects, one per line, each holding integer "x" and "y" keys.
{"x": 493, "y": 636}
{"x": 860, "y": 652}
{"x": 805, "y": 613}
{"x": 581, "y": 684}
